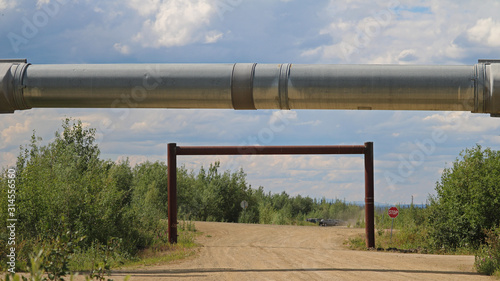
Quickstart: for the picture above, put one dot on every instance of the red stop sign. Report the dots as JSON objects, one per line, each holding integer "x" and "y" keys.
{"x": 393, "y": 212}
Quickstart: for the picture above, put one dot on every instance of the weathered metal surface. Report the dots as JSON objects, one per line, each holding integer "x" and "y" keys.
{"x": 11, "y": 73}
{"x": 172, "y": 193}
{"x": 267, "y": 150}
{"x": 369, "y": 196}
{"x": 472, "y": 88}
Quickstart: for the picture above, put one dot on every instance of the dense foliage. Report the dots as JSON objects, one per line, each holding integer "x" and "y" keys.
{"x": 64, "y": 186}
{"x": 467, "y": 200}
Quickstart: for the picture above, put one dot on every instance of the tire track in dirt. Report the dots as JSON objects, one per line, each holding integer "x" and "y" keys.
{"x": 271, "y": 252}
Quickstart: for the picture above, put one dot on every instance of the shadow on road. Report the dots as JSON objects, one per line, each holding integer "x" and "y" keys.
{"x": 179, "y": 272}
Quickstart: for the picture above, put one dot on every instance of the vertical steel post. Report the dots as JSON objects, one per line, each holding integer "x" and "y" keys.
{"x": 172, "y": 192}
{"x": 392, "y": 225}
{"x": 369, "y": 196}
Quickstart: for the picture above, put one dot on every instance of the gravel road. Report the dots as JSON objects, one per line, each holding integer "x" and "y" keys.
{"x": 271, "y": 252}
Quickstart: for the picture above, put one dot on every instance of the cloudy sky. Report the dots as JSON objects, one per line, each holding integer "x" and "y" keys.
{"x": 411, "y": 148}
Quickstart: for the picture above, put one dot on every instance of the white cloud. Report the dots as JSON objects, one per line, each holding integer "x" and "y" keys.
{"x": 39, "y": 3}
{"x": 134, "y": 159}
{"x": 282, "y": 117}
{"x": 8, "y": 159}
{"x": 493, "y": 139}
{"x": 12, "y": 131}
{"x": 463, "y": 121}
{"x": 145, "y": 8}
{"x": 406, "y": 31}
{"x": 98, "y": 10}
{"x": 139, "y": 126}
{"x": 407, "y": 55}
{"x": 176, "y": 22}
{"x": 7, "y": 4}
{"x": 486, "y": 31}
{"x": 336, "y": 27}
{"x": 312, "y": 52}
{"x": 213, "y": 36}
{"x": 122, "y": 49}
{"x": 313, "y": 123}
{"x": 354, "y": 28}
{"x": 15, "y": 129}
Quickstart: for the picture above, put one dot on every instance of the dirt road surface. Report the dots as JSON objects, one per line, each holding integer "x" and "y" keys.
{"x": 271, "y": 252}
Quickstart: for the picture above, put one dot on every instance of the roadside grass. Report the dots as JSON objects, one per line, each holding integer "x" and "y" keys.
{"x": 402, "y": 240}
{"x": 160, "y": 252}
{"x": 99, "y": 260}
{"x": 406, "y": 239}
{"x": 487, "y": 260}
{"x": 171, "y": 253}
{"x": 186, "y": 247}
{"x": 410, "y": 233}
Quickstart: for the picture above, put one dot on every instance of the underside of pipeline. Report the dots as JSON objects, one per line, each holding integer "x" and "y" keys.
{"x": 247, "y": 86}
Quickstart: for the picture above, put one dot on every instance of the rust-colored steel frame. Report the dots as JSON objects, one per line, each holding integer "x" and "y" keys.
{"x": 367, "y": 150}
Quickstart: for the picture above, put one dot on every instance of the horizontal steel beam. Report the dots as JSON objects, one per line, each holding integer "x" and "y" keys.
{"x": 270, "y": 150}
{"x": 474, "y": 88}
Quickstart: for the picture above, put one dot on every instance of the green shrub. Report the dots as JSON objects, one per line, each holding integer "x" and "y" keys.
{"x": 57, "y": 253}
{"x": 64, "y": 187}
{"x": 266, "y": 213}
{"x": 467, "y": 200}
